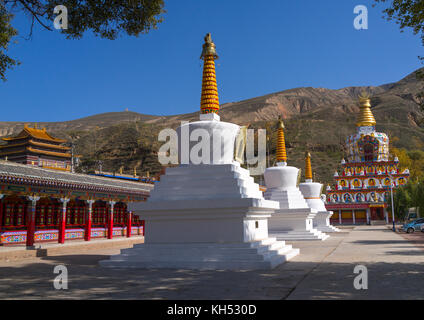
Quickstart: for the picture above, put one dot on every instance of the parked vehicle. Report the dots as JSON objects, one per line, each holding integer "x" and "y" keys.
{"x": 413, "y": 214}
{"x": 416, "y": 225}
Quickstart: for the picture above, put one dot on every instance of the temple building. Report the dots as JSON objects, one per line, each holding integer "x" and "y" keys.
{"x": 33, "y": 146}
{"x": 41, "y": 201}
{"x": 362, "y": 188}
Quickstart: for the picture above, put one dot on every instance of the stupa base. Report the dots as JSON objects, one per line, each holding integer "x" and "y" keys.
{"x": 256, "y": 255}
{"x": 322, "y": 222}
{"x": 205, "y": 217}
{"x": 294, "y": 225}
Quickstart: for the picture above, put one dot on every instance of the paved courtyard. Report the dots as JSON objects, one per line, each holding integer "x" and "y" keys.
{"x": 323, "y": 270}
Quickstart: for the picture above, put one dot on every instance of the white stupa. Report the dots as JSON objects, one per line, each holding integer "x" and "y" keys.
{"x": 311, "y": 191}
{"x": 294, "y": 219}
{"x": 206, "y": 214}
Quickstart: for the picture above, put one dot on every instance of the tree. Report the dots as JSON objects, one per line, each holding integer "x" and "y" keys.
{"x": 409, "y": 196}
{"x": 408, "y": 14}
{"x": 411, "y": 159}
{"x": 402, "y": 201}
{"x": 7, "y": 32}
{"x": 107, "y": 19}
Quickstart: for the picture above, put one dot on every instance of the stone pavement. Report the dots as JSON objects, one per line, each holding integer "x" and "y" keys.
{"x": 395, "y": 268}
{"x": 323, "y": 270}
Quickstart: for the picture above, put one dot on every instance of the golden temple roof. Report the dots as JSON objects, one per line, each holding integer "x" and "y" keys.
{"x": 37, "y": 151}
{"x": 366, "y": 118}
{"x": 34, "y": 133}
{"x": 36, "y": 143}
{"x": 50, "y": 153}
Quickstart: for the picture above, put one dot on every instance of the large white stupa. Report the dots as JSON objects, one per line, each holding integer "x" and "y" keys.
{"x": 294, "y": 219}
{"x": 207, "y": 213}
{"x": 311, "y": 191}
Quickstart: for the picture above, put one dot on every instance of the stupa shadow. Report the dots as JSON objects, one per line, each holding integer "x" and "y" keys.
{"x": 294, "y": 280}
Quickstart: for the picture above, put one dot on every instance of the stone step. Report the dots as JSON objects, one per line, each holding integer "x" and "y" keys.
{"x": 299, "y": 236}
{"x": 194, "y": 255}
{"x": 171, "y": 182}
{"x": 378, "y": 222}
{"x": 206, "y": 170}
{"x": 265, "y": 254}
{"x": 269, "y": 262}
{"x": 194, "y": 265}
{"x": 207, "y": 191}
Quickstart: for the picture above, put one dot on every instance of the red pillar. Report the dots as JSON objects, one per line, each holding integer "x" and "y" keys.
{"x": 31, "y": 221}
{"x": 62, "y": 221}
{"x": 110, "y": 221}
{"x": 143, "y": 225}
{"x": 87, "y": 236}
{"x": 129, "y": 224}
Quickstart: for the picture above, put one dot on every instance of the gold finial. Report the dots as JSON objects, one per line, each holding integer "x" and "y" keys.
{"x": 281, "y": 142}
{"x": 308, "y": 166}
{"x": 135, "y": 171}
{"x": 209, "y": 101}
{"x": 121, "y": 170}
{"x": 209, "y": 48}
{"x": 366, "y": 118}
{"x": 281, "y": 123}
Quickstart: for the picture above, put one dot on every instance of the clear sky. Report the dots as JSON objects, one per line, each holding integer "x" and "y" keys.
{"x": 264, "y": 47}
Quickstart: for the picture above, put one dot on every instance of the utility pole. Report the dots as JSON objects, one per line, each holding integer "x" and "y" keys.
{"x": 393, "y": 209}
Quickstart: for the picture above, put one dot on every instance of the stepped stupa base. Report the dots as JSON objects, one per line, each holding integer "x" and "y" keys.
{"x": 256, "y": 255}
{"x": 294, "y": 225}
{"x": 322, "y": 222}
{"x": 205, "y": 217}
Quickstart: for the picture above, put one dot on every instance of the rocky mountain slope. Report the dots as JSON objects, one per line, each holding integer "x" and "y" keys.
{"x": 317, "y": 119}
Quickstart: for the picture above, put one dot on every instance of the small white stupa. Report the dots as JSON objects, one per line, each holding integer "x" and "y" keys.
{"x": 312, "y": 193}
{"x": 206, "y": 214}
{"x": 294, "y": 219}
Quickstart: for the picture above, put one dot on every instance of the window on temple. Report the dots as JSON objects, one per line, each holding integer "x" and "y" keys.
{"x": 368, "y": 152}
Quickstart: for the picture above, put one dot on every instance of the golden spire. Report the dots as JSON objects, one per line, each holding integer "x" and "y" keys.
{"x": 209, "y": 102}
{"x": 281, "y": 143}
{"x": 308, "y": 166}
{"x": 366, "y": 118}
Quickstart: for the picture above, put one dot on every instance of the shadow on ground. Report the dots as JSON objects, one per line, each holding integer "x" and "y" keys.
{"x": 294, "y": 280}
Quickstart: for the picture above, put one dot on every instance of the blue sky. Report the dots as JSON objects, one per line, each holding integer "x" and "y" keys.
{"x": 264, "y": 47}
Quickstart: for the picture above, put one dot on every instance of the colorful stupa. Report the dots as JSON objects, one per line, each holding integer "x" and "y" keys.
{"x": 362, "y": 189}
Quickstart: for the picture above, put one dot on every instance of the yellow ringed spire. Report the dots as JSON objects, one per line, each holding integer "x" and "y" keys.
{"x": 209, "y": 102}
{"x": 281, "y": 143}
{"x": 308, "y": 167}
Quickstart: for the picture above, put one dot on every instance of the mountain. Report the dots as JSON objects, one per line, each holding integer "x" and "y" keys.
{"x": 317, "y": 119}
